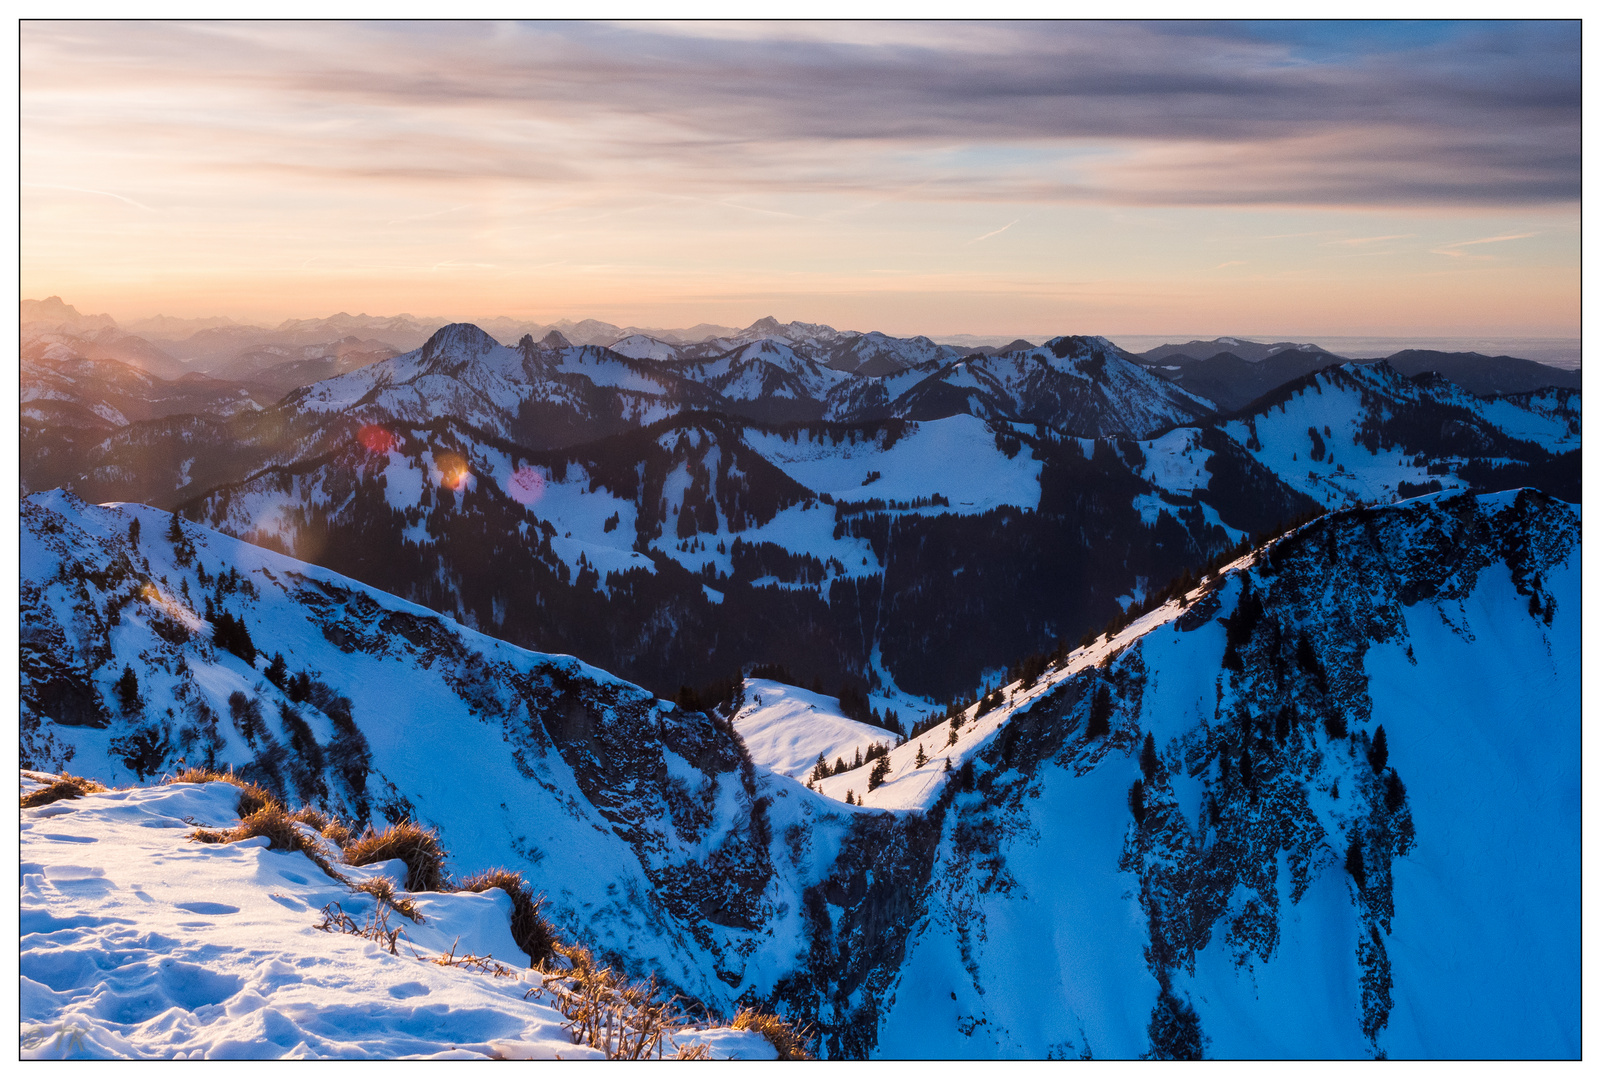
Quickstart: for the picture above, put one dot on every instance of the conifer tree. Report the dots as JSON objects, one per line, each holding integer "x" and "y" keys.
{"x": 1148, "y": 758}
{"x": 127, "y": 689}
{"x": 880, "y": 771}
{"x": 133, "y": 532}
{"x": 1353, "y": 862}
{"x": 1136, "y": 801}
{"x": 1100, "y": 714}
{"x": 1394, "y": 792}
{"x": 922, "y": 758}
{"x": 1379, "y": 751}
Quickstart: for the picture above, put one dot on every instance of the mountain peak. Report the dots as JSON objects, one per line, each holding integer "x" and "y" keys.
{"x": 52, "y": 309}
{"x": 457, "y": 339}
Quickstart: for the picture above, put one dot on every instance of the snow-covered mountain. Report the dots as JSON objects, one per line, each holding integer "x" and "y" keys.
{"x": 1364, "y": 433}
{"x": 1284, "y": 880}
{"x": 646, "y": 827}
{"x": 916, "y": 555}
{"x": 1233, "y": 372}
{"x": 1085, "y": 386}
{"x": 909, "y": 554}
{"x": 1487, "y": 376}
{"x": 287, "y": 367}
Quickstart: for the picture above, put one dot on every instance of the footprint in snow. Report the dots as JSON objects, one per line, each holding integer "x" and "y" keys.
{"x": 206, "y": 907}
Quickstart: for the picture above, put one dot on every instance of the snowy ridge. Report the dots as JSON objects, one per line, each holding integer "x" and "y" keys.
{"x": 1357, "y": 433}
{"x": 1028, "y": 902}
{"x": 1257, "y": 941}
{"x": 164, "y": 948}
{"x": 612, "y": 788}
{"x": 1080, "y": 386}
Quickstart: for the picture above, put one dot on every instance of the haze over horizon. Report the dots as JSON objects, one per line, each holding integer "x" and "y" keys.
{"x": 1132, "y": 179}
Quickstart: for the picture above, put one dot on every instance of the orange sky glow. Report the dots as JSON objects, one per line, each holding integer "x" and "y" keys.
{"x": 910, "y": 178}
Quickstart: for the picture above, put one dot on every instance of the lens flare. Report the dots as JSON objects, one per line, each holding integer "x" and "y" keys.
{"x": 526, "y": 485}
{"x": 377, "y": 440}
{"x": 450, "y": 470}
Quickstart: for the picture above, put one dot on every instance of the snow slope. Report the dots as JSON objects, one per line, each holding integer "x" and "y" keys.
{"x": 611, "y": 803}
{"x": 138, "y": 943}
{"x": 956, "y": 457}
{"x": 1047, "y": 890}
{"x": 1358, "y": 432}
{"x": 785, "y": 728}
{"x": 1285, "y": 888}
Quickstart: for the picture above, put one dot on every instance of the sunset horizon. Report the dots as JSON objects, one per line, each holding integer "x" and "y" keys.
{"x": 1404, "y": 180}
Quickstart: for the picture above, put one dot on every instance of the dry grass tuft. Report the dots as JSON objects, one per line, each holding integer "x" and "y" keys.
{"x": 416, "y": 846}
{"x": 625, "y": 1021}
{"x": 383, "y": 890}
{"x": 790, "y": 1044}
{"x": 278, "y": 826}
{"x": 252, "y": 797}
{"x": 486, "y": 965}
{"x": 376, "y": 928}
{"x": 330, "y": 827}
{"x": 533, "y": 934}
{"x": 694, "y": 1052}
{"x": 66, "y": 786}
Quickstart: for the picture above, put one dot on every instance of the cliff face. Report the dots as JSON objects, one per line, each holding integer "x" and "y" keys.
{"x": 1282, "y": 881}
{"x": 1285, "y": 882}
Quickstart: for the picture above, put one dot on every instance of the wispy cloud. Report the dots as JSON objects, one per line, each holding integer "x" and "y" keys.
{"x": 427, "y": 217}
{"x": 94, "y": 191}
{"x": 1488, "y": 117}
{"x": 1455, "y": 250}
{"x": 1357, "y": 241}
{"x": 996, "y": 232}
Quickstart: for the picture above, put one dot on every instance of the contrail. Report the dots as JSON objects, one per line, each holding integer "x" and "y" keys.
{"x": 95, "y": 191}
{"x": 997, "y": 232}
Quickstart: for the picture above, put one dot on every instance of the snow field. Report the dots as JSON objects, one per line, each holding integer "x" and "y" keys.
{"x": 1537, "y": 422}
{"x": 785, "y": 728}
{"x": 139, "y": 943}
{"x": 579, "y": 516}
{"x": 1488, "y": 904}
{"x": 955, "y": 457}
{"x": 1176, "y": 462}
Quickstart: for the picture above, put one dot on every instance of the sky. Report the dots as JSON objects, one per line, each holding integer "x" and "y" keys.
{"x": 1269, "y": 179}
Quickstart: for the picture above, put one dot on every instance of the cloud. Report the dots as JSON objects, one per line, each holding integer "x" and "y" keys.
{"x": 93, "y": 191}
{"x": 996, "y": 232}
{"x": 1178, "y": 114}
{"x": 1455, "y": 250}
{"x": 1357, "y": 241}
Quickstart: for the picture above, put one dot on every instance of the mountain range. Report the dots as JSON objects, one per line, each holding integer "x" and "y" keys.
{"x": 1257, "y": 821}
{"x": 1026, "y": 701}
